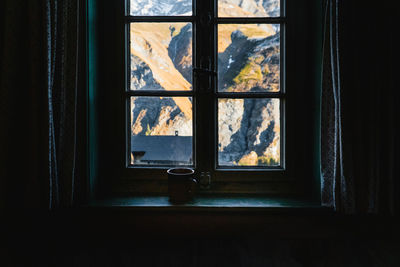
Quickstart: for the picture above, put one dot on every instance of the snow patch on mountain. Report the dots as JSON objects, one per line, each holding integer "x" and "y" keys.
{"x": 161, "y": 8}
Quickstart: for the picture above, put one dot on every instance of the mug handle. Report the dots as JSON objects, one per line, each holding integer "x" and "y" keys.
{"x": 193, "y": 186}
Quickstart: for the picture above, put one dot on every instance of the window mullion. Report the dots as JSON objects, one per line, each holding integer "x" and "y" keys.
{"x": 204, "y": 103}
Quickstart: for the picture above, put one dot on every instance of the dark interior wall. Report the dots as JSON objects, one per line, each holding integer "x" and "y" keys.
{"x": 215, "y": 252}
{"x": 158, "y": 238}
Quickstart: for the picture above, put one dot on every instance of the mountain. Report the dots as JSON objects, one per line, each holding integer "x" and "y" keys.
{"x": 159, "y": 116}
{"x": 180, "y": 52}
{"x": 250, "y": 64}
{"x": 161, "y": 7}
{"x": 248, "y": 61}
{"x": 248, "y": 8}
{"x": 272, "y": 7}
{"x": 226, "y": 8}
{"x": 149, "y": 44}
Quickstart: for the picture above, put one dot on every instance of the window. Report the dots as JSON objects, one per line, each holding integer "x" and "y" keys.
{"x": 215, "y": 85}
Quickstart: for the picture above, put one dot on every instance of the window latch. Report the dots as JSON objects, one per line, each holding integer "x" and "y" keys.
{"x": 205, "y": 75}
{"x": 206, "y": 20}
{"x": 205, "y": 180}
{"x": 200, "y": 73}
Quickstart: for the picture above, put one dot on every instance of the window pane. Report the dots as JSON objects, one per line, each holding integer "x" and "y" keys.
{"x": 249, "y": 132}
{"x": 161, "y": 7}
{"x": 248, "y": 58}
{"x": 161, "y": 131}
{"x": 161, "y": 56}
{"x": 249, "y": 8}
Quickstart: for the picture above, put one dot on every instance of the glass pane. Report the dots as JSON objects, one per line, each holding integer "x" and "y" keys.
{"x": 161, "y": 7}
{"x": 161, "y": 131}
{"x": 249, "y": 132}
{"x": 248, "y": 58}
{"x": 249, "y": 8}
{"x": 161, "y": 56}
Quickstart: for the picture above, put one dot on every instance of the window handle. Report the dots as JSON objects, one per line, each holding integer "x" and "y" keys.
{"x": 205, "y": 75}
{"x": 199, "y": 73}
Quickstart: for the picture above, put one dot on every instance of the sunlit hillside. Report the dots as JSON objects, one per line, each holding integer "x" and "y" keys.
{"x": 150, "y": 42}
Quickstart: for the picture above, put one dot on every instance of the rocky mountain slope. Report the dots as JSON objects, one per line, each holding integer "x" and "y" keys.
{"x": 161, "y": 7}
{"x": 248, "y": 8}
{"x": 248, "y": 61}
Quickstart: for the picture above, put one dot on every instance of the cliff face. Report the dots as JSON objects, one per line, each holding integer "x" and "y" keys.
{"x": 180, "y": 52}
{"x": 250, "y": 64}
{"x": 247, "y": 126}
{"x": 248, "y": 61}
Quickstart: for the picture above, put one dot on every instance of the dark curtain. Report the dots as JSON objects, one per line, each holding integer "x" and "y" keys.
{"x": 359, "y": 138}
{"x": 42, "y": 103}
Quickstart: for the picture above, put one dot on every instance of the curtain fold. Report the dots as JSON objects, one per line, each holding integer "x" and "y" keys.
{"x": 358, "y": 122}
{"x": 337, "y": 189}
{"x": 62, "y": 21}
{"x": 42, "y": 101}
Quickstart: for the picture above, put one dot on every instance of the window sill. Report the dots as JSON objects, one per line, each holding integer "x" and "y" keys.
{"x": 207, "y": 216}
{"x": 215, "y": 203}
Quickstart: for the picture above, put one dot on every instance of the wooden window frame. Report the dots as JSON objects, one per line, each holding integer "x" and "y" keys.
{"x": 110, "y": 174}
